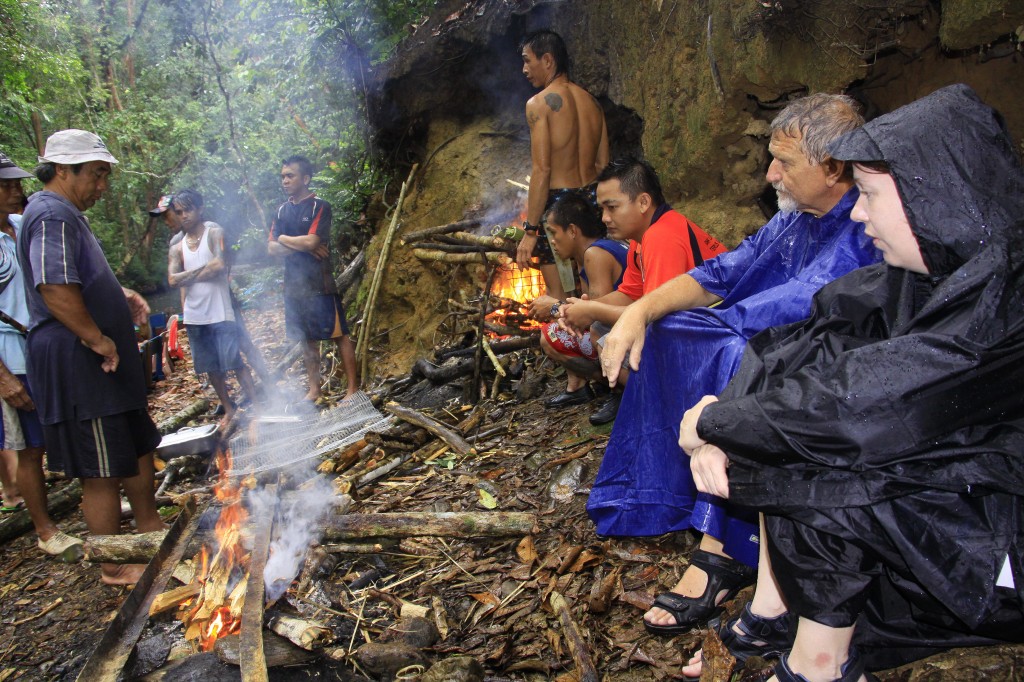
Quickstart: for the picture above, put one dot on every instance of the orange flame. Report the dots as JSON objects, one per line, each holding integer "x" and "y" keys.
{"x": 208, "y": 616}
{"x": 519, "y": 287}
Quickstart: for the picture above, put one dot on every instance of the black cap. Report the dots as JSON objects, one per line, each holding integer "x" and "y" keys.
{"x": 9, "y": 171}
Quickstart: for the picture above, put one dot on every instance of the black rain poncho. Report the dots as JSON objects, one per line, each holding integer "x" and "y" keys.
{"x": 884, "y": 436}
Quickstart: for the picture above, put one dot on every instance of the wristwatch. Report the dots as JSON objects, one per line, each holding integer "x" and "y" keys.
{"x": 555, "y": 307}
{"x": 530, "y": 229}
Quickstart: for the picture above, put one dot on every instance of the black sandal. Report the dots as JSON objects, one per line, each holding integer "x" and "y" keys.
{"x": 849, "y": 672}
{"x": 723, "y": 574}
{"x": 758, "y": 636}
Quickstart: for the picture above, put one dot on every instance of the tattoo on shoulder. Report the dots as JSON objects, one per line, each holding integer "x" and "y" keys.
{"x": 553, "y": 100}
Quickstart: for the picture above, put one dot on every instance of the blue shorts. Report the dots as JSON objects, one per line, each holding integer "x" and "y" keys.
{"x": 214, "y": 347}
{"x": 314, "y": 318}
{"x": 20, "y": 429}
{"x": 105, "y": 447}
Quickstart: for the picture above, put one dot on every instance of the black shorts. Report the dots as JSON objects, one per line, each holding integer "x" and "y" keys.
{"x": 105, "y": 447}
{"x": 314, "y": 318}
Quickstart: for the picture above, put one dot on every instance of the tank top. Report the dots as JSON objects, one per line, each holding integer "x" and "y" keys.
{"x": 618, "y": 250}
{"x": 210, "y": 301}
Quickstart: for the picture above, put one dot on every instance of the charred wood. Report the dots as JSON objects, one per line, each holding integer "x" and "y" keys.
{"x": 499, "y": 347}
{"x": 458, "y": 225}
{"x": 454, "y": 440}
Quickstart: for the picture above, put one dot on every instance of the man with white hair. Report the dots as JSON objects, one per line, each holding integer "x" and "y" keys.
{"x": 85, "y": 371}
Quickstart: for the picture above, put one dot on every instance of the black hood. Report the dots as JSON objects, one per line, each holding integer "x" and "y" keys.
{"x": 956, "y": 170}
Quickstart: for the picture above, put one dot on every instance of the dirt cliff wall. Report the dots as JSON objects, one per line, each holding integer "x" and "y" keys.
{"x": 691, "y": 84}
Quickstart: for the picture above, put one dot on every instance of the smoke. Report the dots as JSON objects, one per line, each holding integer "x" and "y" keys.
{"x": 300, "y": 514}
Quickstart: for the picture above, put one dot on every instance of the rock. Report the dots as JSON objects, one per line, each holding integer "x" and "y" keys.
{"x": 455, "y": 669}
{"x": 386, "y": 658}
{"x": 416, "y": 632}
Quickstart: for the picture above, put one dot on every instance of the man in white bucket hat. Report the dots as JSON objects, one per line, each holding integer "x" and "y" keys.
{"x": 85, "y": 371}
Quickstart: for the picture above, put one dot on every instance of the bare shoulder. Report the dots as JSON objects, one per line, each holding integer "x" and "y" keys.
{"x": 584, "y": 98}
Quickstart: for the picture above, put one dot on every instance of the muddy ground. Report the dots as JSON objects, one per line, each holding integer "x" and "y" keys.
{"x": 491, "y": 597}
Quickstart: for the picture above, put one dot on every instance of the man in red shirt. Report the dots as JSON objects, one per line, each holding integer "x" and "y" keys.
{"x": 663, "y": 244}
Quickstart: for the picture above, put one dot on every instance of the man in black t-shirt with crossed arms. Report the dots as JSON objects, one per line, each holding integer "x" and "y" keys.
{"x": 300, "y": 234}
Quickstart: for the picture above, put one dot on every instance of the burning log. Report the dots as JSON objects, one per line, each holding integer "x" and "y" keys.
{"x": 441, "y": 524}
{"x": 253, "y": 661}
{"x": 454, "y": 440}
{"x": 490, "y": 257}
{"x": 504, "y": 330}
{"x": 173, "y": 598}
{"x": 585, "y": 670}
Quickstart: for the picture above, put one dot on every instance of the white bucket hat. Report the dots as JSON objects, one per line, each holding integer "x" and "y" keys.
{"x": 75, "y": 146}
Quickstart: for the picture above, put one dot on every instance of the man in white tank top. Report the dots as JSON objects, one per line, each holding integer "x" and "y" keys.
{"x": 196, "y": 263}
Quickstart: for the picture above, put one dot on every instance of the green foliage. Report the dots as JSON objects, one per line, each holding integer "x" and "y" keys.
{"x": 209, "y": 94}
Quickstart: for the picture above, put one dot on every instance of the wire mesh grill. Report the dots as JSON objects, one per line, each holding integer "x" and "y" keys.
{"x": 275, "y": 442}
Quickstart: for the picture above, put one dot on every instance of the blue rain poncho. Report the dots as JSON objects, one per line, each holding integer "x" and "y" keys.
{"x": 644, "y": 485}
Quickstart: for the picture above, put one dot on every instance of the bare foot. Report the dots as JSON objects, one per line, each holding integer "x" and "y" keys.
{"x": 352, "y": 390}
{"x": 121, "y": 574}
{"x": 694, "y": 665}
{"x": 312, "y": 396}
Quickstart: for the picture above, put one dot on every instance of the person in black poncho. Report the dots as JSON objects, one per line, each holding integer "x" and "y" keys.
{"x": 883, "y": 437}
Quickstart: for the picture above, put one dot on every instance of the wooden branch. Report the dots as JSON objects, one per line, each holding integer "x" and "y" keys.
{"x": 466, "y": 224}
{"x": 124, "y": 549}
{"x": 493, "y": 358}
{"x": 441, "y": 257}
{"x": 363, "y": 340}
{"x": 58, "y": 503}
{"x": 454, "y": 440}
{"x": 446, "y": 248}
{"x": 585, "y": 670}
{"x": 351, "y": 272}
{"x": 168, "y": 601}
{"x": 175, "y": 422}
{"x": 495, "y": 243}
{"x": 499, "y": 347}
{"x": 252, "y": 659}
{"x": 440, "y": 524}
{"x": 293, "y": 354}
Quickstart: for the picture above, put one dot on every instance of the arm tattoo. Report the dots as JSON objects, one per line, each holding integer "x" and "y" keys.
{"x": 531, "y": 118}
{"x": 554, "y": 100}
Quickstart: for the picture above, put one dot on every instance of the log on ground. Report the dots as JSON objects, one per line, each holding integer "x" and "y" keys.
{"x": 58, "y": 503}
{"x": 440, "y": 524}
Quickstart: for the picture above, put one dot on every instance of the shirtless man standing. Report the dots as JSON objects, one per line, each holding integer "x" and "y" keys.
{"x": 568, "y": 145}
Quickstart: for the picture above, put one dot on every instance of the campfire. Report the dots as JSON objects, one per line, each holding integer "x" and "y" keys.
{"x": 223, "y": 568}
{"x": 512, "y": 291}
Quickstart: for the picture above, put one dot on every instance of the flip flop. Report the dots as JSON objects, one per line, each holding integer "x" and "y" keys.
{"x": 12, "y": 508}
